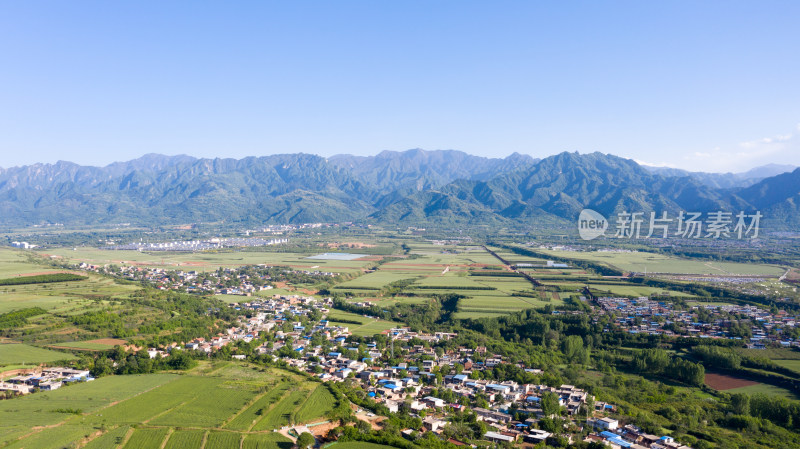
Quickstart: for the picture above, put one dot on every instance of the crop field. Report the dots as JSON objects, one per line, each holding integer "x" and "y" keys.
{"x": 319, "y": 404}
{"x": 376, "y": 280}
{"x": 765, "y": 389}
{"x": 63, "y": 297}
{"x": 266, "y": 441}
{"x": 168, "y": 410}
{"x": 19, "y": 415}
{"x": 223, "y": 440}
{"x": 368, "y": 326}
{"x": 248, "y": 417}
{"x": 15, "y": 263}
{"x": 14, "y": 353}
{"x": 53, "y": 440}
{"x": 793, "y": 365}
{"x": 208, "y": 260}
{"x": 112, "y": 439}
{"x": 146, "y": 438}
{"x": 657, "y": 263}
{"x": 282, "y": 413}
{"x": 206, "y": 402}
{"x": 100, "y": 344}
{"x": 181, "y": 439}
{"x": 635, "y": 290}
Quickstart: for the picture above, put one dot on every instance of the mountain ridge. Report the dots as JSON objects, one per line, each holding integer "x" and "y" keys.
{"x": 393, "y": 187}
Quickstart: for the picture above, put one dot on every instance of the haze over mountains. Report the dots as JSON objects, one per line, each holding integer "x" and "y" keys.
{"x": 408, "y": 187}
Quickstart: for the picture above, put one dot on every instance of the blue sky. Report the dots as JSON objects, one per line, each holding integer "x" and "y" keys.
{"x": 699, "y": 85}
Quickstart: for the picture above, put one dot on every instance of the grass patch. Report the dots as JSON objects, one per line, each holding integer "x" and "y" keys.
{"x": 146, "y": 439}
{"x": 15, "y": 353}
{"x": 320, "y": 403}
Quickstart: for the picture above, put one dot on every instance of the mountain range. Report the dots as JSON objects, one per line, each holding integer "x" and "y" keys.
{"x": 410, "y": 187}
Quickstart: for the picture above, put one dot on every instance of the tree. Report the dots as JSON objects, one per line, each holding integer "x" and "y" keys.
{"x": 305, "y": 440}
{"x": 550, "y": 404}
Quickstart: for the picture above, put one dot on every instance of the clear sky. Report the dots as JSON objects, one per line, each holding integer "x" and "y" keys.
{"x": 702, "y": 85}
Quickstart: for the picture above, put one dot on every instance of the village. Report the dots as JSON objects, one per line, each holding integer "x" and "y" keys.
{"x": 510, "y": 411}
{"x": 243, "y": 281}
{"x": 758, "y": 327}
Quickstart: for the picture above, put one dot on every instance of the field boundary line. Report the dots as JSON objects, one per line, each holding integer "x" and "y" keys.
{"x": 243, "y": 409}
{"x": 272, "y": 406}
{"x": 128, "y": 435}
{"x": 166, "y": 438}
{"x": 158, "y": 415}
{"x": 205, "y": 439}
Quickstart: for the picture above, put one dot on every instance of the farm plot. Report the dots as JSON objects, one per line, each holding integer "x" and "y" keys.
{"x": 266, "y": 441}
{"x": 167, "y": 410}
{"x": 15, "y": 263}
{"x": 376, "y": 280}
{"x": 146, "y": 438}
{"x": 208, "y": 260}
{"x": 112, "y": 438}
{"x": 366, "y": 326}
{"x": 765, "y": 389}
{"x": 248, "y": 417}
{"x": 208, "y": 402}
{"x": 51, "y": 438}
{"x": 223, "y": 440}
{"x": 182, "y": 439}
{"x": 450, "y": 282}
{"x": 319, "y": 404}
{"x": 657, "y": 263}
{"x": 13, "y": 353}
{"x": 41, "y": 409}
{"x": 100, "y": 344}
{"x": 282, "y": 413}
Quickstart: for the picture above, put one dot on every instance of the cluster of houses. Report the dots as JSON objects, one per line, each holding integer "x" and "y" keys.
{"x": 199, "y": 245}
{"x": 45, "y": 379}
{"x": 629, "y": 436}
{"x": 645, "y": 315}
{"x": 413, "y": 382}
{"x": 228, "y": 282}
{"x": 510, "y": 409}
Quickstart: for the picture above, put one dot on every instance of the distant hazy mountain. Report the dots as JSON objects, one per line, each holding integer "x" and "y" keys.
{"x": 726, "y": 180}
{"x": 414, "y": 186}
{"x": 777, "y": 197}
{"x": 419, "y": 169}
{"x": 561, "y": 186}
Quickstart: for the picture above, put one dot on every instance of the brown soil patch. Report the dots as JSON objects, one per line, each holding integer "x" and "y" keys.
{"x": 723, "y": 382}
{"x": 320, "y": 430}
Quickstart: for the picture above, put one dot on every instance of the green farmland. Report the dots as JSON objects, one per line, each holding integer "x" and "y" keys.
{"x": 25, "y": 354}
{"x": 207, "y": 260}
{"x": 227, "y": 405}
{"x": 366, "y": 327}
{"x": 657, "y": 263}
